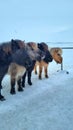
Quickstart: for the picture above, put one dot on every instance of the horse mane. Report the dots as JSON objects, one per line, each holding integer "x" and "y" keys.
{"x": 44, "y": 45}
{"x": 5, "y": 57}
{"x": 55, "y": 49}
{"x": 11, "y": 46}
{"x": 32, "y": 45}
{"x": 6, "y": 47}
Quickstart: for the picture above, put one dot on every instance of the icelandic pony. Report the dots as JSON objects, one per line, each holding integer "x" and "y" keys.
{"x": 6, "y": 51}
{"x": 36, "y": 55}
{"x": 56, "y": 54}
{"x": 21, "y": 62}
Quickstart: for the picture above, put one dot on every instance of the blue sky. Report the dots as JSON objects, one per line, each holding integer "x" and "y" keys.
{"x": 36, "y": 20}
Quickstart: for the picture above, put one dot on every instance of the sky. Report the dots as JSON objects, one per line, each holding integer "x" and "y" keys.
{"x": 39, "y": 20}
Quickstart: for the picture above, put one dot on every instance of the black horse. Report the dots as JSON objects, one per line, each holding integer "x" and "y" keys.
{"x": 44, "y": 63}
{"x": 45, "y": 55}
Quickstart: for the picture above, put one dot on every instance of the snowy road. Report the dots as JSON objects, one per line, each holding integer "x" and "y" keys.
{"x": 46, "y": 105}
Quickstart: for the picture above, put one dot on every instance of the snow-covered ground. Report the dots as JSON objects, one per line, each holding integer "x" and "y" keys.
{"x": 46, "y": 105}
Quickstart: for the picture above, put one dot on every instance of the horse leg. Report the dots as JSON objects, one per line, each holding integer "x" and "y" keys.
{"x": 1, "y": 96}
{"x": 23, "y": 80}
{"x": 40, "y": 71}
{"x": 35, "y": 69}
{"x": 46, "y": 72}
{"x": 12, "y": 91}
{"x": 29, "y": 77}
{"x": 20, "y": 88}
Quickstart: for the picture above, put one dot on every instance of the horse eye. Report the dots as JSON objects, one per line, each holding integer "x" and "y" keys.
{"x": 58, "y": 54}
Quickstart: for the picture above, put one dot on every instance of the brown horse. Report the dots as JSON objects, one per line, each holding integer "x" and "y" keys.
{"x": 56, "y": 55}
{"x": 21, "y": 62}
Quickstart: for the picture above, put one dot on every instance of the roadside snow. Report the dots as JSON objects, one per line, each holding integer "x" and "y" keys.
{"x": 46, "y": 105}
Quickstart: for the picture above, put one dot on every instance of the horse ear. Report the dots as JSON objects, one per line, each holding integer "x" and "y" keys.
{"x": 12, "y": 40}
{"x": 29, "y": 44}
{"x": 38, "y": 44}
{"x": 56, "y": 50}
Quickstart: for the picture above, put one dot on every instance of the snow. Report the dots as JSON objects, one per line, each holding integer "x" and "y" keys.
{"x": 46, "y": 105}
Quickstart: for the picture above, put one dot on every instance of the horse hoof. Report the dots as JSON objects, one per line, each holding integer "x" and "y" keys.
{"x": 12, "y": 92}
{"x": 36, "y": 72}
{"x": 29, "y": 83}
{"x": 40, "y": 77}
{"x": 46, "y": 76}
{"x": 2, "y": 98}
{"x": 20, "y": 89}
{"x": 23, "y": 85}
